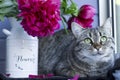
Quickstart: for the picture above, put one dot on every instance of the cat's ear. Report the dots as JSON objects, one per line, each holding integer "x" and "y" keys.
{"x": 76, "y": 29}
{"x": 108, "y": 26}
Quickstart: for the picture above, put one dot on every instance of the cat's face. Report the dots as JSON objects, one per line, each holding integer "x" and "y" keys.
{"x": 94, "y": 44}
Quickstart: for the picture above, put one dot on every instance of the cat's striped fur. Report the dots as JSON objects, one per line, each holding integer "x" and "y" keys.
{"x": 87, "y": 52}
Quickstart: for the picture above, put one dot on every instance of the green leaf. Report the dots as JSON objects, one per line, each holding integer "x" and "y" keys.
{"x": 5, "y": 3}
{"x": 73, "y": 8}
{"x": 5, "y": 10}
{"x": 1, "y": 17}
{"x": 69, "y": 9}
{"x": 8, "y": 8}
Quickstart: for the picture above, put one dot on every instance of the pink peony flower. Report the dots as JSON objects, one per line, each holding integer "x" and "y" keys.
{"x": 84, "y": 18}
{"x": 40, "y": 17}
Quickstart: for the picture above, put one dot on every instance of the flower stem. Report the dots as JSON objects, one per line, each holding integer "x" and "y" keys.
{"x": 63, "y": 21}
{"x": 71, "y": 1}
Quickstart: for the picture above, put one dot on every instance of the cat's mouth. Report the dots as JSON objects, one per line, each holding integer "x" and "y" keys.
{"x": 100, "y": 53}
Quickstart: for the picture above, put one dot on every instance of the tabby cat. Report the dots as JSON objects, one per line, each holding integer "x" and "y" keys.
{"x": 87, "y": 52}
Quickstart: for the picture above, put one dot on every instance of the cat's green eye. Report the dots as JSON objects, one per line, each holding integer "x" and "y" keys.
{"x": 103, "y": 39}
{"x": 87, "y": 40}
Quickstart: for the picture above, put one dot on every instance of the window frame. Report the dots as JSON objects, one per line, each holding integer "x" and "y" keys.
{"x": 107, "y": 8}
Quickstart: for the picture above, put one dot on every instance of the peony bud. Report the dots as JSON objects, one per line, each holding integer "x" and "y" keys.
{"x": 86, "y": 12}
{"x": 84, "y": 18}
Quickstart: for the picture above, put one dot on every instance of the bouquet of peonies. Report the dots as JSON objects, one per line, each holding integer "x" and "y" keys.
{"x": 41, "y": 17}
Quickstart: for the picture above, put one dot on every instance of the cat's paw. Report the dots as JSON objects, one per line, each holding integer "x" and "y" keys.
{"x": 71, "y": 73}
{"x": 66, "y": 72}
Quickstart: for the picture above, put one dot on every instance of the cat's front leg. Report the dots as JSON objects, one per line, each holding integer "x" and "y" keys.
{"x": 63, "y": 69}
{"x": 68, "y": 72}
{"x": 65, "y": 72}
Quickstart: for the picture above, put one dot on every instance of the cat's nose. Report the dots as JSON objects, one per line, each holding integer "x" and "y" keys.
{"x": 97, "y": 46}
